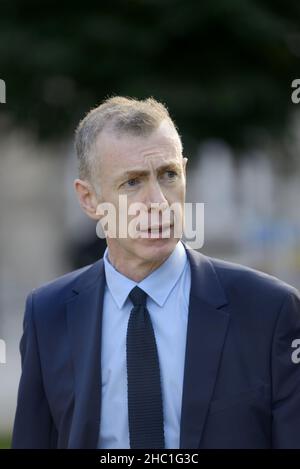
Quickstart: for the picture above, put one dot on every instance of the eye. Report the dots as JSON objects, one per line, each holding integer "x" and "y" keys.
{"x": 171, "y": 174}
{"x": 131, "y": 182}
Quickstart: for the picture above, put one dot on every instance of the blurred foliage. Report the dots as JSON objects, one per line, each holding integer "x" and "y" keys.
{"x": 224, "y": 68}
{"x": 5, "y": 441}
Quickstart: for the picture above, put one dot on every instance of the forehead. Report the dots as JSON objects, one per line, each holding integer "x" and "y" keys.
{"x": 125, "y": 150}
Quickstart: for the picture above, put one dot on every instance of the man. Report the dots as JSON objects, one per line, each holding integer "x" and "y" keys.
{"x": 156, "y": 345}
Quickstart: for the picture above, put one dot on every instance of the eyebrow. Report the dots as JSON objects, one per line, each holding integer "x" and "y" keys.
{"x": 137, "y": 172}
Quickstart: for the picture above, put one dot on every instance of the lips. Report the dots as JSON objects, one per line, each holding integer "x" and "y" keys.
{"x": 158, "y": 231}
{"x": 159, "y": 228}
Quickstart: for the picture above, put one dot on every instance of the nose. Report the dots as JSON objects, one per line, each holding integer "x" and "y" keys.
{"x": 156, "y": 204}
{"x": 154, "y": 195}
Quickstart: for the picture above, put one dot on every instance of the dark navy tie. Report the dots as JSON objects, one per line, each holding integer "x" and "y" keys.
{"x": 145, "y": 408}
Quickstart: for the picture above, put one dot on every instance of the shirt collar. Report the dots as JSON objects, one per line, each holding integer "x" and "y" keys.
{"x": 158, "y": 285}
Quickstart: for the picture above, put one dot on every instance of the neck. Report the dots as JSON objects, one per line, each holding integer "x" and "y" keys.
{"x": 132, "y": 267}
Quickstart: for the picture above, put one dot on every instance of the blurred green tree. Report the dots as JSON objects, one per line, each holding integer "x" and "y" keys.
{"x": 224, "y": 68}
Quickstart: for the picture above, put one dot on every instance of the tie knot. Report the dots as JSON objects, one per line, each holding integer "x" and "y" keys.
{"x": 138, "y": 296}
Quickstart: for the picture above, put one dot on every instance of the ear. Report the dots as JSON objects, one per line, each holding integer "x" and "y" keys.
{"x": 87, "y": 198}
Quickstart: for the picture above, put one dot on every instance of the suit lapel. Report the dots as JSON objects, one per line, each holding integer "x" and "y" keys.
{"x": 206, "y": 331}
{"x": 84, "y": 319}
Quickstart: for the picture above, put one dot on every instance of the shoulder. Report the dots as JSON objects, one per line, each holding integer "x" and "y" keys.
{"x": 237, "y": 277}
{"x": 64, "y": 287}
{"x": 245, "y": 288}
{"x": 257, "y": 299}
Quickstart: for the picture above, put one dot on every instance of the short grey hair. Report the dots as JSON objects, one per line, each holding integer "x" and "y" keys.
{"x": 122, "y": 115}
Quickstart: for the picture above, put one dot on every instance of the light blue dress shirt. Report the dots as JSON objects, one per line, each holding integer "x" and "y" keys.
{"x": 168, "y": 288}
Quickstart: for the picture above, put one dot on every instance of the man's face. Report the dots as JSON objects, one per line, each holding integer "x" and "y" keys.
{"x": 147, "y": 170}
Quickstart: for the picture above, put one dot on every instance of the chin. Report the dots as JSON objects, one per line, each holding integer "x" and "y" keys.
{"x": 155, "y": 249}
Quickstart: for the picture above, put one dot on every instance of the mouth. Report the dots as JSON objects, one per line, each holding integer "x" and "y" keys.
{"x": 158, "y": 230}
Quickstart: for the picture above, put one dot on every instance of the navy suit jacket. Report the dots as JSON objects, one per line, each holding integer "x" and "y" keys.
{"x": 241, "y": 387}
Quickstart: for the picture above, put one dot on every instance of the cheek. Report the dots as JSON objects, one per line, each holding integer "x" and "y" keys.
{"x": 176, "y": 193}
